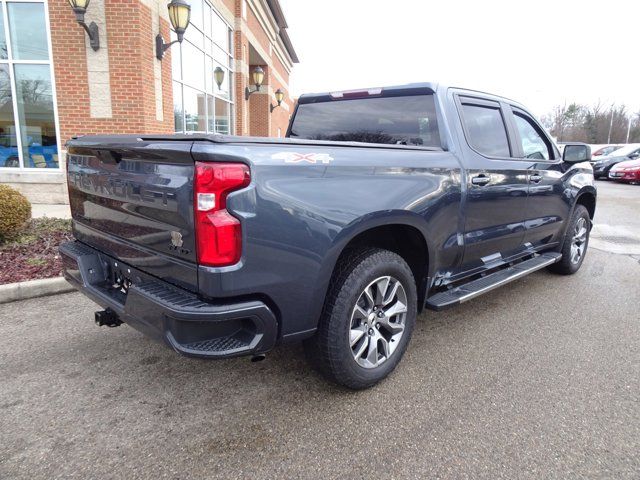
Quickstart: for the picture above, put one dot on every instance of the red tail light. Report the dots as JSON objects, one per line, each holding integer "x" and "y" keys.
{"x": 218, "y": 233}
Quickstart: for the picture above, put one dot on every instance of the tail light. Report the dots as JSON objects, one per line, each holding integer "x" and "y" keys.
{"x": 218, "y": 233}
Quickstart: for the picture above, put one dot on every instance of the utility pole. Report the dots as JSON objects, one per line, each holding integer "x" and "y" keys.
{"x": 610, "y": 126}
{"x": 629, "y": 127}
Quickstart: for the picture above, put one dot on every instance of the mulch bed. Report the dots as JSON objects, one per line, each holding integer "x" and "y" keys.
{"x": 34, "y": 253}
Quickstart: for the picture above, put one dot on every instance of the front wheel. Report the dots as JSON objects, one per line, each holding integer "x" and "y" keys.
{"x": 576, "y": 241}
{"x": 367, "y": 321}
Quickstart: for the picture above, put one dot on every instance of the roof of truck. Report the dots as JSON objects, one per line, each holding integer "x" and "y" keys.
{"x": 393, "y": 90}
{"x": 419, "y": 88}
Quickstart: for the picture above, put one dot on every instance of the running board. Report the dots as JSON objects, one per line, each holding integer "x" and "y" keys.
{"x": 461, "y": 294}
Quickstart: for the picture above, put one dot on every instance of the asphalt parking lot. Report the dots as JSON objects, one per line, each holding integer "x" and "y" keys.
{"x": 539, "y": 379}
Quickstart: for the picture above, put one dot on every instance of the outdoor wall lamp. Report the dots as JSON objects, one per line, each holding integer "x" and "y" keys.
{"x": 179, "y": 14}
{"x": 218, "y": 76}
{"x": 258, "y": 77}
{"x": 279, "y": 97}
{"x": 80, "y": 8}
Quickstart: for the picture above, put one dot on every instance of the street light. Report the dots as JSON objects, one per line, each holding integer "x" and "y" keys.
{"x": 258, "y": 78}
{"x": 179, "y": 14}
{"x": 80, "y": 8}
{"x": 279, "y": 97}
{"x": 218, "y": 75}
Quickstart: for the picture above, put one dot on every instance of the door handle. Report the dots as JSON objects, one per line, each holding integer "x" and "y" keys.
{"x": 481, "y": 180}
{"x": 535, "y": 178}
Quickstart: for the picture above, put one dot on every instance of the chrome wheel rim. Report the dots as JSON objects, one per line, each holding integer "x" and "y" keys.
{"x": 579, "y": 241}
{"x": 378, "y": 322}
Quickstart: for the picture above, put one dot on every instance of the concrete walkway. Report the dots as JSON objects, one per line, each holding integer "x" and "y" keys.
{"x": 39, "y": 210}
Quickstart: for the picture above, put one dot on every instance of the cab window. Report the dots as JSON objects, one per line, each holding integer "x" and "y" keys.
{"x": 486, "y": 129}
{"x": 534, "y": 144}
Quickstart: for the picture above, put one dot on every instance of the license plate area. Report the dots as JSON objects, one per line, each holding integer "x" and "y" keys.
{"x": 119, "y": 278}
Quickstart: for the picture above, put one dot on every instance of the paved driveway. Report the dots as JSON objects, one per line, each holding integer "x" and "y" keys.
{"x": 538, "y": 379}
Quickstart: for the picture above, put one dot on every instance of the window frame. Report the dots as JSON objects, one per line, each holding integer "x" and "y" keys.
{"x": 208, "y": 57}
{"x": 11, "y": 62}
{"x": 477, "y": 101}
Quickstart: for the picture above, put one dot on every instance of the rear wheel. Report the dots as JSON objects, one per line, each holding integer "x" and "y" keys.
{"x": 576, "y": 241}
{"x": 368, "y": 319}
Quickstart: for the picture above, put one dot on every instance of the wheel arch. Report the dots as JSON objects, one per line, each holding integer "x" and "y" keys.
{"x": 400, "y": 232}
{"x": 587, "y": 198}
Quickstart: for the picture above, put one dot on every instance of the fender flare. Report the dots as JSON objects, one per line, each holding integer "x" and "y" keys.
{"x": 361, "y": 225}
{"x": 585, "y": 190}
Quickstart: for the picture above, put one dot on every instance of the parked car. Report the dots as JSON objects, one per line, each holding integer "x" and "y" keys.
{"x": 222, "y": 246}
{"x": 607, "y": 150}
{"x": 9, "y": 157}
{"x": 8, "y": 151}
{"x": 628, "y": 171}
{"x": 602, "y": 166}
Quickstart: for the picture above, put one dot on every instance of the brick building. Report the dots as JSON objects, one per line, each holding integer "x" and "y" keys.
{"x": 54, "y": 85}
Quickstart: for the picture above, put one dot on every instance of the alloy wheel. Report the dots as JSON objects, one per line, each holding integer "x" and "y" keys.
{"x": 378, "y": 322}
{"x": 579, "y": 240}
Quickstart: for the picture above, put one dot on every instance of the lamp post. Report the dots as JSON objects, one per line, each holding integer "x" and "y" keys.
{"x": 80, "y": 8}
{"x": 218, "y": 76}
{"x": 258, "y": 78}
{"x": 179, "y": 14}
{"x": 279, "y": 98}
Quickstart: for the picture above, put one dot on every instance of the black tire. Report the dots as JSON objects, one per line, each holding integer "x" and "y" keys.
{"x": 567, "y": 265}
{"x": 330, "y": 350}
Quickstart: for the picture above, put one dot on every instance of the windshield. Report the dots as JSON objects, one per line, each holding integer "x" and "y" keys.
{"x": 626, "y": 150}
{"x": 608, "y": 150}
{"x": 407, "y": 120}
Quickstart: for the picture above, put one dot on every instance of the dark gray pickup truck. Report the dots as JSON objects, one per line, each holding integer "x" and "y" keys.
{"x": 381, "y": 203}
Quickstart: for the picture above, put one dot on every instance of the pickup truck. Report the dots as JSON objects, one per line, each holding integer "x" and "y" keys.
{"x": 380, "y": 203}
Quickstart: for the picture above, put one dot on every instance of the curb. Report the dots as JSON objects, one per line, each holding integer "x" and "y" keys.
{"x": 12, "y": 292}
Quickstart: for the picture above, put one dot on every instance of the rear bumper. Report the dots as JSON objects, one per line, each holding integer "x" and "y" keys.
{"x": 167, "y": 313}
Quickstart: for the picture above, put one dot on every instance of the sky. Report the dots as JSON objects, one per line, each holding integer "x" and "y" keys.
{"x": 540, "y": 53}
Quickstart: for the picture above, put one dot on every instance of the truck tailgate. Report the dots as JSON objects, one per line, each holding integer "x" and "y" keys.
{"x": 133, "y": 200}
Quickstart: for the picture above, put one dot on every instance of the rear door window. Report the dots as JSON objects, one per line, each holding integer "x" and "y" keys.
{"x": 406, "y": 120}
{"x": 485, "y": 128}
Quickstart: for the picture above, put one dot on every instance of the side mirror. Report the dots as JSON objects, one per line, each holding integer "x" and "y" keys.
{"x": 576, "y": 153}
{"x": 633, "y": 156}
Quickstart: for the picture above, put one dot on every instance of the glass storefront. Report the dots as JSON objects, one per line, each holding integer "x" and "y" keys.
{"x": 28, "y": 131}
{"x": 199, "y": 105}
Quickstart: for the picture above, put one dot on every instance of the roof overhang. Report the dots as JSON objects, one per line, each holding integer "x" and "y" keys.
{"x": 276, "y": 10}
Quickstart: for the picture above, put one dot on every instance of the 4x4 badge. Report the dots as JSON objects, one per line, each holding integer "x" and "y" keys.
{"x": 294, "y": 157}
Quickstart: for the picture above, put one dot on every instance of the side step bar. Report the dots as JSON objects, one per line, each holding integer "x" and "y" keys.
{"x": 457, "y": 295}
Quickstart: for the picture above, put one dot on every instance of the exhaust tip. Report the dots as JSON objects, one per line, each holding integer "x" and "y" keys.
{"x": 258, "y": 358}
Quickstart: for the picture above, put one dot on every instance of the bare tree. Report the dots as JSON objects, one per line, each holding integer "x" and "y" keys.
{"x": 593, "y": 124}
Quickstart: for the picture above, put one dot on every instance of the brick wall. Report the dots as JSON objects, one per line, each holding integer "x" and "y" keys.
{"x": 130, "y": 45}
{"x": 131, "y": 58}
{"x": 123, "y": 88}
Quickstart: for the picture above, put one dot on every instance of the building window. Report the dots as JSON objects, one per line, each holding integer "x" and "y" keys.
{"x": 28, "y": 128}
{"x": 199, "y": 105}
